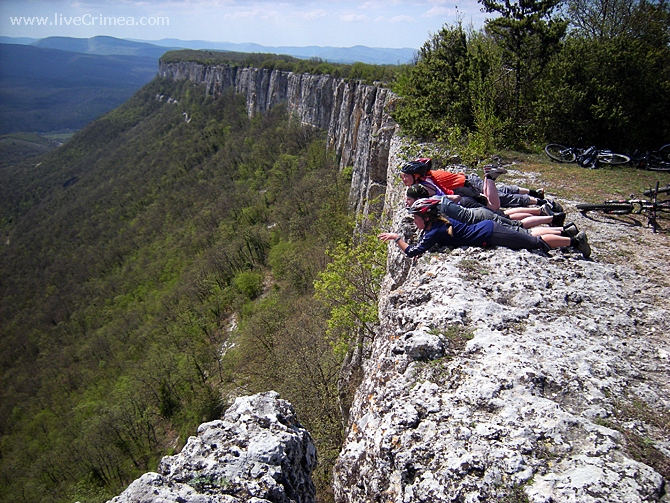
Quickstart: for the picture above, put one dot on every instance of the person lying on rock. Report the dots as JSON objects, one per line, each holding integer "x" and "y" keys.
{"x": 443, "y": 231}
{"x": 442, "y": 183}
{"x": 526, "y": 218}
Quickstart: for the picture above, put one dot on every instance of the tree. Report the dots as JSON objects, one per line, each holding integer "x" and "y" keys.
{"x": 601, "y": 18}
{"x": 529, "y": 34}
{"x": 435, "y": 89}
{"x": 349, "y": 287}
{"x": 606, "y": 89}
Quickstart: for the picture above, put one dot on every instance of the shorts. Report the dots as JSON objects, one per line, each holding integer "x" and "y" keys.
{"x": 515, "y": 240}
{"x": 514, "y": 200}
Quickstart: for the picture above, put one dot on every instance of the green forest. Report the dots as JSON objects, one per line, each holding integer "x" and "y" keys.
{"x": 152, "y": 268}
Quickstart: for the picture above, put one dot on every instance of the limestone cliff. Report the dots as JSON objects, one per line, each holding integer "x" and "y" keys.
{"x": 514, "y": 376}
{"x": 258, "y": 452}
{"x": 355, "y": 115}
{"x": 496, "y": 375}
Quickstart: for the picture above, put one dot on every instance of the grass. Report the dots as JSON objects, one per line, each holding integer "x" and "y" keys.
{"x": 569, "y": 181}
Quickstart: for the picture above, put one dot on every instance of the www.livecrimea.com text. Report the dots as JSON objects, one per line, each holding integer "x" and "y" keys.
{"x": 88, "y": 20}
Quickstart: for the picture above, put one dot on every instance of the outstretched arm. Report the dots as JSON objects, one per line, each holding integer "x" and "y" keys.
{"x": 392, "y": 236}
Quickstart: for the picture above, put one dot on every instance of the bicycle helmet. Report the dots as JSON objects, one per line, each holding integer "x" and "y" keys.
{"x": 425, "y": 207}
{"x": 416, "y": 191}
{"x": 425, "y": 160}
{"x": 417, "y": 167}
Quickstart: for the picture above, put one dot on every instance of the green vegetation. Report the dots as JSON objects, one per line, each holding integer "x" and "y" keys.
{"x": 593, "y": 73}
{"x": 46, "y": 90}
{"x": 152, "y": 269}
{"x": 17, "y": 147}
{"x": 315, "y": 66}
{"x": 349, "y": 286}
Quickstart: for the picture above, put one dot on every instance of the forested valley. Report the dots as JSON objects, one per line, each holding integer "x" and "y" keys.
{"x": 152, "y": 269}
{"x": 172, "y": 256}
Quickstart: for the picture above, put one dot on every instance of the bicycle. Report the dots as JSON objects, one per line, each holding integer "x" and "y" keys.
{"x": 657, "y": 160}
{"x": 590, "y": 157}
{"x": 635, "y": 206}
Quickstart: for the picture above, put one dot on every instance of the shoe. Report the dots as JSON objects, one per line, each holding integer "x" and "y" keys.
{"x": 493, "y": 171}
{"x": 555, "y": 206}
{"x": 558, "y": 220}
{"x": 546, "y": 210}
{"x": 540, "y": 193}
{"x": 582, "y": 244}
{"x": 570, "y": 230}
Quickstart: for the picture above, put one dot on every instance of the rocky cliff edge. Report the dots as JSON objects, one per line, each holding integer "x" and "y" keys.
{"x": 496, "y": 375}
{"x": 355, "y": 115}
{"x": 502, "y": 375}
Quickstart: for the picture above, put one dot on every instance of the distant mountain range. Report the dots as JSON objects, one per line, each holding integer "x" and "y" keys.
{"x": 364, "y": 54}
{"x": 45, "y": 89}
{"x": 155, "y": 48}
{"x": 62, "y": 83}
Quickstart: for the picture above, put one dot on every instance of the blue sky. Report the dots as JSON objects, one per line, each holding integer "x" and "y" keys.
{"x": 345, "y": 23}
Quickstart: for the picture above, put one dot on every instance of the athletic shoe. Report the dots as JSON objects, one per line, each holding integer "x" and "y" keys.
{"x": 570, "y": 230}
{"x": 540, "y": 193}
{"x": 582, "y": 244}
{"x": 555, "y": 206}
{"x": 558, "y": 220}
{"x": 493, "y": 171}
{"x": 546, "y": 210}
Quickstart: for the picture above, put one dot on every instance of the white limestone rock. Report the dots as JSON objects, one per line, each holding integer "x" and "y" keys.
{"x": 258, "y": 452}
{"x": 523, "y": 406}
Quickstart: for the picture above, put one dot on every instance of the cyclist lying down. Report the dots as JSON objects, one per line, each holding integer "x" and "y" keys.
{"x": 442, "y": 231}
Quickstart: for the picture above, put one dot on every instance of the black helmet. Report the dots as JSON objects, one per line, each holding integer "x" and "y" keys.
{"x": 427, "y": 206}
{"x": 425, "y": 160}
{"x": 417, "y": 167}
{"x": 416, "y": 191}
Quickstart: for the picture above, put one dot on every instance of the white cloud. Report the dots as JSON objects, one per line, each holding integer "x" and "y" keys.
{"x": 438, "y": 11}
{"x": 351, "y": 18}
{"x": 401, "y": 19}
{"x": 314, "y": 14}
{"x": 245, "y": 14}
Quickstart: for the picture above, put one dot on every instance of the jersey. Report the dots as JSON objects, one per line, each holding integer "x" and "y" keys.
{"x": 463, "y": 235}
{"x": 446, "y": 180}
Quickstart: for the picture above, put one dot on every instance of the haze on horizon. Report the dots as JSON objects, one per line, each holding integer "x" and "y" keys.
{"x": 342, "y": 23}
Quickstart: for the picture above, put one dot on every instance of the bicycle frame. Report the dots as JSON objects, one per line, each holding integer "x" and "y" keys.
{"x": 634, "y": 206}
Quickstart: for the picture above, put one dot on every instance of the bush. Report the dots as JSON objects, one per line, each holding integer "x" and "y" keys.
{"x": 249, "y": 284}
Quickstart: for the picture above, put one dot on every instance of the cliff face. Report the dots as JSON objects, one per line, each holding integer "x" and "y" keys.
{"x": 515, "y": 376}
{"x": 354, "y": 115}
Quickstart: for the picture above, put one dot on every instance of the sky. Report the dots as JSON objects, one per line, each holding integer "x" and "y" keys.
{"x": 345, "y": 23}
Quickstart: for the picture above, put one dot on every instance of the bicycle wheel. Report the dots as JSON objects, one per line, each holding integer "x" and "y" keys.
{"x": 656, "y": 164}
{"x": 607, "y": 208}
{"x": 560, "y": 153}
{"x": 613, "y": 159}
{"x": 665, "y": 152}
